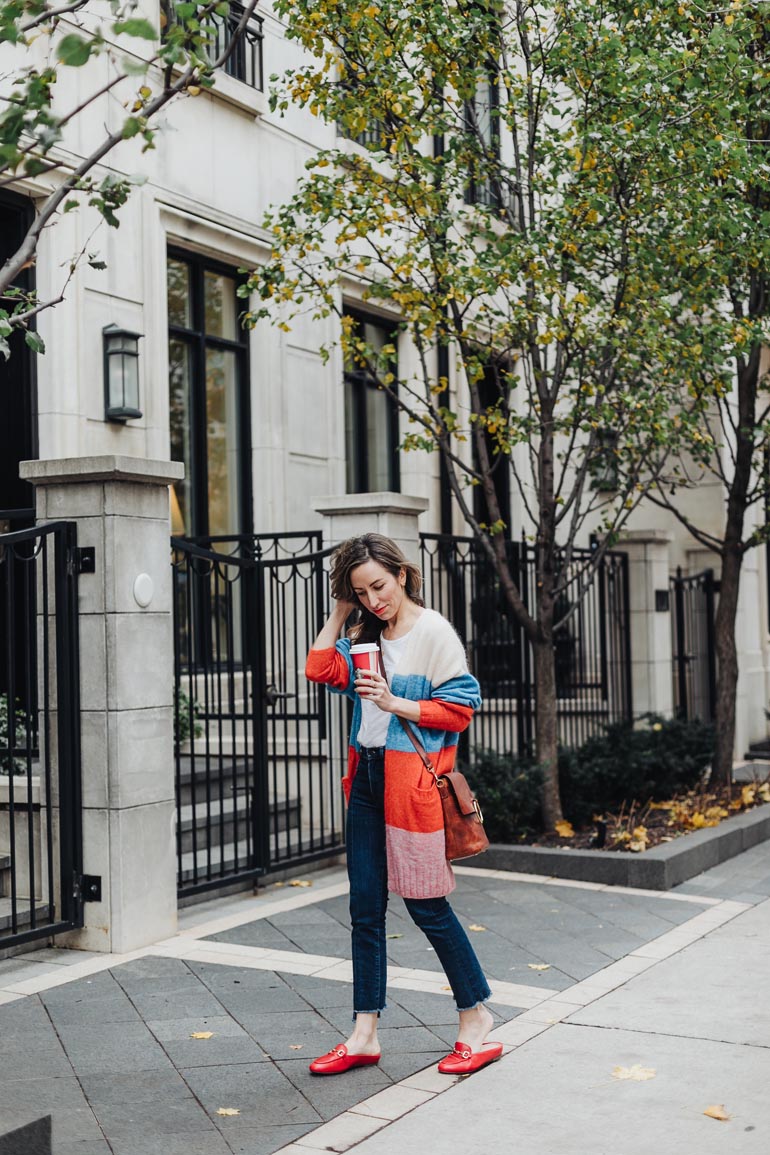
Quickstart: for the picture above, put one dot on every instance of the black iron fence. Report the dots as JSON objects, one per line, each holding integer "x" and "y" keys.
{"x": 259, "y": 750}
{"x": 693, "y": 601}
{"x": 592, "y": 648}
{"x": 40, "y": 815}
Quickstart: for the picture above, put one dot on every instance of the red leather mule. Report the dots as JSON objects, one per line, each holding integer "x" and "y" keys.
{"x": 464, "y": 1061}
{"x": 336, "y": 1061}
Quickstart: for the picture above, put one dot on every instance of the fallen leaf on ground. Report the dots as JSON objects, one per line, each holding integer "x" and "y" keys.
{"x": 446, "y": 988}
{"x": 296, "y": 1046}
{"x": 300, "y": 882}
{"x": 539, "y": 966}
{"x": 565, "y": 829}
{"x": 202, "y": 1035}
{"x": 279, "y": 884}
{"x": 394, "y": 936}
{"x": 228, "y": 1111}
{"x": 476, "y": 926}
{"x": 718, "y": 1112}
{"x": 637, "y": 1073}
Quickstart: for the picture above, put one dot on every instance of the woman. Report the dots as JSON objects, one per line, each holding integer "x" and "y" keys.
{"x": 395, "y": 830}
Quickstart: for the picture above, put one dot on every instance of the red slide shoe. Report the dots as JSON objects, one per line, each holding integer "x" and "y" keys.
{"x": 464, "y": 1061}
{"x": 336, "y": 1061}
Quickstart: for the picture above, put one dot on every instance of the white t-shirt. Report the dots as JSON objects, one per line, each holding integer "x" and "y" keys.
{"x": 374, "y": 722}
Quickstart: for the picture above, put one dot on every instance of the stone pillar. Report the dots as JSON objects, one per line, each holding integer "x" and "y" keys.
{"x": 392, "y": 514}
{"x": 121, "y": 507}
{"x": 651, "y": 652}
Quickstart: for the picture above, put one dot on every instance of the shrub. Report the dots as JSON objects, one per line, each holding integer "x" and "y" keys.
{"x": 508, "y": 790}
{"x": 186, "y": 714}
{"x": 628, "y": 763}
{"x": 9, "y": 764}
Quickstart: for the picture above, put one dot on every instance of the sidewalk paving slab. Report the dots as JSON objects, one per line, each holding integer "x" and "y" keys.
{"x": 108, "y": 1051}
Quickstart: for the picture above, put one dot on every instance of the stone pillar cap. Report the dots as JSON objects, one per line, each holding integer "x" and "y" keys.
{"x": 381, "y": 502}
{"x": 106, "y": 467}
{"x": 644, "y": 537}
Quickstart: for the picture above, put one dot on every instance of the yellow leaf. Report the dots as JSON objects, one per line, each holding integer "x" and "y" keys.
{"x": 300, "y": 882}
{"x": 637, "y": 845}
{"x": 698, "y": 820}
{"x": 764, "y": 791}
{"x": 202, "y": 1035}
{"x": 539, "y": 966}
{"x": 564, "y": 829}
{"x": 295, "y": 1046}
{"x": 718, "y": 1112}
{"x": 476, "y": 926}
{"x": 637, "y": 1073}
{"x": 228, "y": 1111}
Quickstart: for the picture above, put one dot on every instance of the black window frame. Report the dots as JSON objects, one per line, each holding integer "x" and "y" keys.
{"x": 485, "y": 193}
{"x": 198, "y": 341}
{"x": 362, "y": 380}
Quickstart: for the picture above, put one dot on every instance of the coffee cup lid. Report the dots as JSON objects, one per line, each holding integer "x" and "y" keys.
{"x": 364, "y": 648}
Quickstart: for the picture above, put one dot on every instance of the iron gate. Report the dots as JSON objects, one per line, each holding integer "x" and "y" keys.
{"x": 593, "y": 656}
{"x": 259, "y": 750}
{"x": 40, "y": 815}
{"x": 692, "y": 644}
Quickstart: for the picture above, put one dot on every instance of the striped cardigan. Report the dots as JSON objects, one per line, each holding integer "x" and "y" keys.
{"x": 432, "y": 671}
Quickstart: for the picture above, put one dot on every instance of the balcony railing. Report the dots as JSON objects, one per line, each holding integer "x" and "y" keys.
{"x": 245, "y": 61}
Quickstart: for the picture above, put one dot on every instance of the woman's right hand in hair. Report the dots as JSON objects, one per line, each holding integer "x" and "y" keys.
{"x": 342, "y": 608}
{"x": 340, "y": 612}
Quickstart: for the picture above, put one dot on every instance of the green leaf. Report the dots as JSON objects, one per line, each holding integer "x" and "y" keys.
{"x": 74, "y": 51}
{"x": 5, "y": 348}
{"x": 135, "y": 27}
{"x": 35, "y": 341}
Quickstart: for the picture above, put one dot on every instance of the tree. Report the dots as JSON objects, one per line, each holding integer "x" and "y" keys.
{"x": 132, "y": 72}
{"x": 517, "y": 201}
{"x": 731, "y": 442}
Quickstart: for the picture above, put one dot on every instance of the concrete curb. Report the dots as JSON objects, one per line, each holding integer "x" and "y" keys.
{"x": 658, "y": 869}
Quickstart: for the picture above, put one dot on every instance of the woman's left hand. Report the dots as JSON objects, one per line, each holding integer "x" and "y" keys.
{"x": 374, "y": 688}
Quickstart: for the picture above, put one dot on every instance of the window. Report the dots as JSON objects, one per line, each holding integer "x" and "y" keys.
{"x": 208, "y": 398}
{"x": 493, "y": 392}
{"x": 481, "y": 122}
{"x": 371, "y": 417}
{"x": 604, "y": 468}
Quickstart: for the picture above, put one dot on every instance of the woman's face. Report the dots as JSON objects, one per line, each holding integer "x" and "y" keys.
{"x": 378, "y": 590}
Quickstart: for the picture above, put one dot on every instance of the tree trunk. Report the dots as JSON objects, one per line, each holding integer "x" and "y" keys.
{"x": 727, "y": 668}
{"x": 732, "y": 562}
{"x": 546, "y": 729}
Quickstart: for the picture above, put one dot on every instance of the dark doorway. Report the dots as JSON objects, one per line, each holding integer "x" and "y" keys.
{"x": 18, "y": 409}
{"x": 18, "y": 442}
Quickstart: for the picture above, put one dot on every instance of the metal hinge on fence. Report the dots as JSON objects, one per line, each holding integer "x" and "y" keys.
{"x": 88, "y": 887}
{"x": 82, "y": 559}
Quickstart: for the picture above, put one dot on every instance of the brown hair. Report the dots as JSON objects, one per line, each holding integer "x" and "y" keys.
{"x": 355, "y": 552}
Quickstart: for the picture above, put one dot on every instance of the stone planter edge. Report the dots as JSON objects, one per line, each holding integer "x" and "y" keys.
{"x": 661, "y": 868}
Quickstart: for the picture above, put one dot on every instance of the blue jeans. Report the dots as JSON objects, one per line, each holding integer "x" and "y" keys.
{"x": 368, "y": 873}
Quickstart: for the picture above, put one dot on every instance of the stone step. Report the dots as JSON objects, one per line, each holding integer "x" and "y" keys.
{"x": 223, "y": 861}
{"x": 23, "y": 913}
{"x": 227, "y": 818}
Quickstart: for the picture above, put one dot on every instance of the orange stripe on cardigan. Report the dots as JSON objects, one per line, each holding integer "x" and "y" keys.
{"x": 412, "y": 802}
{"x": 438, "y": 715}
{"x": 328, "y": 666}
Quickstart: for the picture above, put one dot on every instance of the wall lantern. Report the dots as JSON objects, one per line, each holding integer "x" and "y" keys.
{"x": 121, "y": 374}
